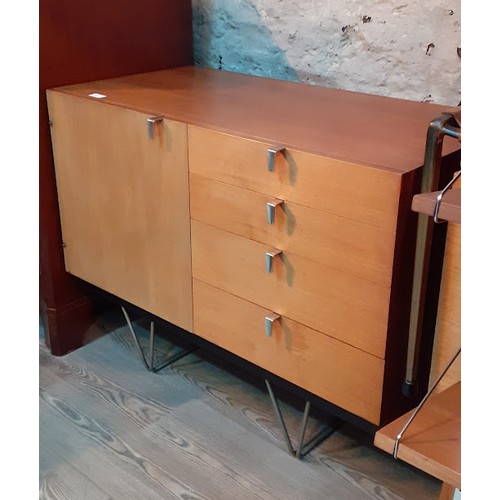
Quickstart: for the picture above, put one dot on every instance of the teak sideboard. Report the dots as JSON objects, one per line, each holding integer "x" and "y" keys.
{"x": 270, "y": 218}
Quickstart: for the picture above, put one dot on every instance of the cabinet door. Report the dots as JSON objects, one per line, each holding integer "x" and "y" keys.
{"x": 124, "y": 202}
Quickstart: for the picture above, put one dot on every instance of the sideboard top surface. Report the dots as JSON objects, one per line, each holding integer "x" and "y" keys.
{"x": 372, "y": 130}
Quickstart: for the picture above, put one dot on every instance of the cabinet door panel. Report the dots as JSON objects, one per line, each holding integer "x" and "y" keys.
{"x": 356, "y": 192}
{"x": 341, "y": 374}
{"x": 124, "y": 203}
{"x": 342, "y": 306}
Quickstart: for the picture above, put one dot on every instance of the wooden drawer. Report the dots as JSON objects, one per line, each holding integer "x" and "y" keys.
{"x": 341, "y": 305}
{"x": 357, "y": 192}
{"x": 356, "y": 248}
{"x": 341, "y": 374}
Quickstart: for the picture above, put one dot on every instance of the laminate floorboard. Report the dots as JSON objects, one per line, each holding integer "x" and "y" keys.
{"x": 67, "y": 483}
{"x": 108, "y": 462}
{"x": 109, "y": 429}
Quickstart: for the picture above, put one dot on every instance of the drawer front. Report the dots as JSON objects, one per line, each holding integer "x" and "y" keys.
{"x": 341, "y": 374}
{"x": 343, "y": 306}
{"x": 361, "y": 193}
{"x": 356, "y": 248}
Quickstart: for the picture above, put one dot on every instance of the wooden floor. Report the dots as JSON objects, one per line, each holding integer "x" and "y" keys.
{"x": 109, "y": 429}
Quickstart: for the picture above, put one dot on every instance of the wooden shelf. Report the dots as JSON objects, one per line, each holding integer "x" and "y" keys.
{"x": 449, "y": 210}
{"x": 432, "y": 441}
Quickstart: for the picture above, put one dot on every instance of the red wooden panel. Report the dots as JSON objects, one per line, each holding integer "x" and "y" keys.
{"x": 79, "y": 42}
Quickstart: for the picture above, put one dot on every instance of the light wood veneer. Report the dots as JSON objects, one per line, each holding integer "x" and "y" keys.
{"x": 149, "y": 219}
{"x": 353, "y": 191}
{"x": 384, "y": 132}
{"x": 448, "y": 338}
{"x": 336, "y": 303}
{"x": 354, "y": 247}
{"x": 433, "y": 440}
{"x": 124, "y": 204}
{"x": 333, "y": 370}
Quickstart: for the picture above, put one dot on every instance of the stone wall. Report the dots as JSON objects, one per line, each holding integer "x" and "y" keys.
{"x": 401, "y": 49}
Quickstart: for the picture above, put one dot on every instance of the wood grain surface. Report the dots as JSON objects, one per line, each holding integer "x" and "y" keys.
{"x": 447, "y": 492}
{"x": 345, "y": 376}
{"x": 450, "y": 208}
{"x": 447, "y": 338}
{"x": 349, "y": 190}
{"x": 432, "y": 442}
{"x": 113, "y": 430}
{"x": 343, "y": 306}
{"x": 373, "y": 130}
{"x": 124, "y": 204}
{"x": 350, "y": 246}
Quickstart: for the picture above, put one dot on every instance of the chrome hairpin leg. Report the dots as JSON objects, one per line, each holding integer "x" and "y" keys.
{"x": 418, "y": 408}
{"x": 150, "y": 366}
{"x": 302, "y": 449}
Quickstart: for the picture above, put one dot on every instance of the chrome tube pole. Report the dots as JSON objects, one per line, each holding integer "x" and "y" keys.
{"x": 443, "y": 125}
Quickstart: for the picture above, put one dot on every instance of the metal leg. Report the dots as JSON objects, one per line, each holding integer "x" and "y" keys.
{"x": 173, "y": 359}
{"x": 151, "y": 345}
{"x": 418, "y": 408}
{"x": 150, "y": 366}
{"x": 303, "y": 427}
{"x": 302, "y": 450}
{"x": 280, "y": 418}
{"x": 136, "y": 340}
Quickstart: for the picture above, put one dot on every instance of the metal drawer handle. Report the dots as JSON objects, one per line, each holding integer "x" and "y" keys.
{"x": 269, "y": 258}
{"x": 271, "y": 155}
{"x": 151, "y": 121}
{"x": 271, "y": 209}
{"x": 270, "y": 319}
